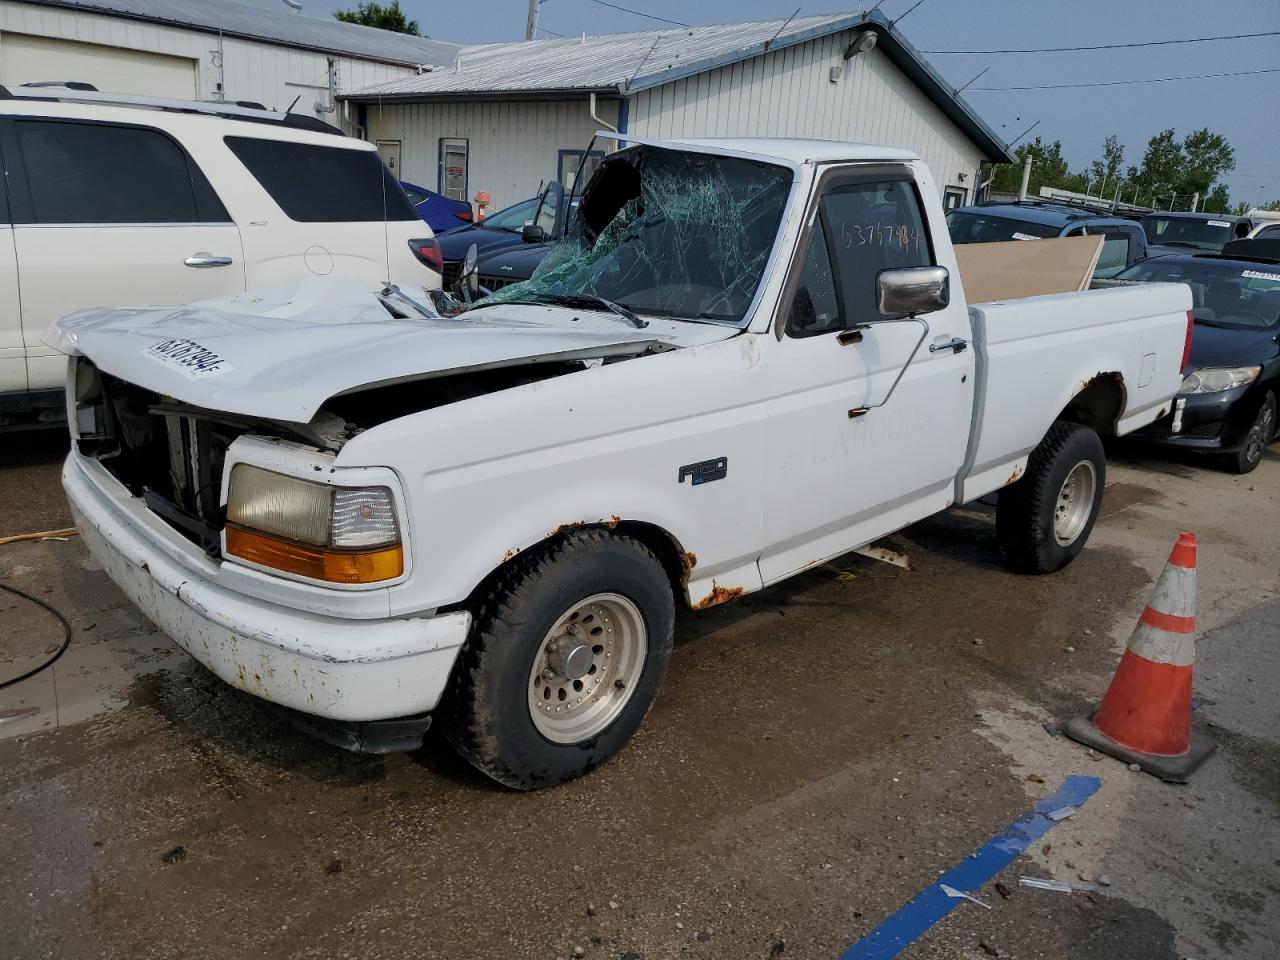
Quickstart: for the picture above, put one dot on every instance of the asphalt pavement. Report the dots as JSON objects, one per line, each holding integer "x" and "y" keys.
{"x": 821, "y": 753}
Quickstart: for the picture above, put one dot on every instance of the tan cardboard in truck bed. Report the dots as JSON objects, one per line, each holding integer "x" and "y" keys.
{"x": 1026, "y": 268}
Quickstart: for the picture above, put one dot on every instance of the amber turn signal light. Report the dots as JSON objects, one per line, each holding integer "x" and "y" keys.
{"x": 335, "y": 566}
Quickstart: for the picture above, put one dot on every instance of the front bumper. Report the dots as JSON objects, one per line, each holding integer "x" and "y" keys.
{"x": 346, "y": 670}
{"x": 1208, "y": 423}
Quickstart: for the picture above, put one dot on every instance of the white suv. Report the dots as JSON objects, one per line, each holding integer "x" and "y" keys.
{"x": 108, "y": 200}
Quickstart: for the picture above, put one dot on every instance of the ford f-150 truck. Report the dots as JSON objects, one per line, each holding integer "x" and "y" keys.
{"x": 749, "y": 357}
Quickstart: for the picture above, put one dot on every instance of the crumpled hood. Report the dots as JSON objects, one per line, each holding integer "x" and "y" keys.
{"x": 280, "y": 353}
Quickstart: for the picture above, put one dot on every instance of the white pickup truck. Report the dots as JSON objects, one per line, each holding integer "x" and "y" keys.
{"x": 749, "y": 357}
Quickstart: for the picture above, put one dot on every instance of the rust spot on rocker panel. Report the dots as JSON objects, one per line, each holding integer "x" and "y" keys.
{"x": 719, "y": 595}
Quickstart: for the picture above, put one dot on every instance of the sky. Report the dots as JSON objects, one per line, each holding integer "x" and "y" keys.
{"x": 1244, "y": 109}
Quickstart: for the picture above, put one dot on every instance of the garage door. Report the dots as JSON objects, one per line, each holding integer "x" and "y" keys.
{"x": 24, "y": 58}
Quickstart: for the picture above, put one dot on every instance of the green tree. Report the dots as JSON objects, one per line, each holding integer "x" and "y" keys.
{"x": 1107, "y": 170}
{"x": 1048, "y": 169}
{"x": 1218, "y": 200}
{"x": 1273, "y": 205}
{"x": 383, "y": 16}
{"x": 1174, "y": 170}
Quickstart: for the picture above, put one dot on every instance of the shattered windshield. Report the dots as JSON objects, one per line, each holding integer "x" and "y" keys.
{"x": 667, "y": 233}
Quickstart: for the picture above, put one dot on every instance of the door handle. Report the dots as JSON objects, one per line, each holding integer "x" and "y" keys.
{"x": 955, "y": 345}
{"x": 206, "y": 260}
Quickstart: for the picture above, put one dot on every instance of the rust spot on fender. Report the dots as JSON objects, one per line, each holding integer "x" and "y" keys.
{"x": 691, "y": 560}
{"x": 718, "y": 595}
{"x": 240, "y": 674}
{"x": 510, "y": 554}
{"x": 1015, "y": 476}
{"x": 566, "y": 527}
{"x": 614, "y": 520}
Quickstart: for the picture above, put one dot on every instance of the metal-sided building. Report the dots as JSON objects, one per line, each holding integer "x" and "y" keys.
{"x": 504, "y": 117}
{"x": 206, "y": 50}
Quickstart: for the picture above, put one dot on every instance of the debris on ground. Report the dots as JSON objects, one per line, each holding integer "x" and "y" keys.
{"x": 1058, "y": 886}
{"x": 777, "y": 949}
{"x": 1062, "y": 813}
{"x": 988, "y": 949}
{"x": 332, "y": 867}
{"x": 1003, "y": 889}
{"x": 176, "y": 855}
{"x": 953, "y": 893}
{"x": 705, "y": 934}
{"x": 1035, "y": 778}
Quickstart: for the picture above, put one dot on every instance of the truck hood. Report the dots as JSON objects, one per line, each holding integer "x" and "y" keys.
{"x": 280, "y": 353}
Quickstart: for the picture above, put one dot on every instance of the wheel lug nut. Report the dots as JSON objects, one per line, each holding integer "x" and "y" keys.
{"x": 620, "y": 684}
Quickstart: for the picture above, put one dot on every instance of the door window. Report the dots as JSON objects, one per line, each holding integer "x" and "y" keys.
{"x": 102, "y": 173}
{"x": 569, "y": 163}
{"x": 954, "y": 197}
{"x": 814, "y": 307}
{"x": 865, "y": 227}
{"x": 453, "y": 168}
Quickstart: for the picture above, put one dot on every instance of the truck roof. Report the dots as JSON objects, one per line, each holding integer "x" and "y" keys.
{"x": 1049, "y": 214}
{"x": 797, "y": 151}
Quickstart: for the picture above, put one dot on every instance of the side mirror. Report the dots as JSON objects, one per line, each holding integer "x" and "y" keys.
{"x": 469, "y": 276}
{"x": 913, "y": 290}
{"x": 533, "y": 233}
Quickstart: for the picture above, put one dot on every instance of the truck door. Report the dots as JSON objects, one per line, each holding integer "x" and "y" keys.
{"x": 844, "y": 471}
{"x": 108, "y": 215}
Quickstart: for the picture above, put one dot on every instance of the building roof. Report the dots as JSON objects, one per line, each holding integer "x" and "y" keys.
{"x": 791, "y": 150}
{"x": 236, "y": 19}
{"x": 621, "y": 64}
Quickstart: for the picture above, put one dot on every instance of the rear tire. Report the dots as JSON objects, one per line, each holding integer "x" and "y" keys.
{"x": 1259, "y": 436}
{"x": 592, "y": 613}
{"x": 1044, "y": 520}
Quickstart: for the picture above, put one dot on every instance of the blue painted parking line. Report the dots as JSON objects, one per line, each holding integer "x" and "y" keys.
{"x": 914, "y": 919}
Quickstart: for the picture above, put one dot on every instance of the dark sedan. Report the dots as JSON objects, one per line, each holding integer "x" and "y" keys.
{"x": 1227, "y": 403}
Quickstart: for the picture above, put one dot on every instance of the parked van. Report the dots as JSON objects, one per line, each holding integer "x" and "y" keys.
{"x": 110, "y": 200}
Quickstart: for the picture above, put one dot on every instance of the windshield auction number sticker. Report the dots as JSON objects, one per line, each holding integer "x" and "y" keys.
{"x": 1259, "y": 275}
{"x": 191, "y": 359}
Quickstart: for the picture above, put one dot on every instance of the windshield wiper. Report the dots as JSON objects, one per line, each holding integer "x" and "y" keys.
{"x": 585, "y": 300}
{"x": 1180, "y": 243}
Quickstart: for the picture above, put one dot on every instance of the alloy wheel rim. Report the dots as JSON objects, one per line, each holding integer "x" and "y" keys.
{"x": 1260, "y": 434}
{"x": 587, "y": 668}
{"x": 1075, "y": 503}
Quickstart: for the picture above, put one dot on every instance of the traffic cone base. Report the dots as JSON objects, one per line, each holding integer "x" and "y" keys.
{"x": 1145, "y": 716}
{"x": 1177, "y": 769}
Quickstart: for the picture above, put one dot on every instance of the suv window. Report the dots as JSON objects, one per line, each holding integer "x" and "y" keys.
{"x": 1114, "y": 256}
{"x": 315, "y": 184}
{"x": 102, "y": 173}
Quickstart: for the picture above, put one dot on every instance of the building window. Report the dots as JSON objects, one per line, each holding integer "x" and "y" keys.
{"x": 453, "y": 168}
{"x": 569, "y": 162}
{"x": 953, "y": 197}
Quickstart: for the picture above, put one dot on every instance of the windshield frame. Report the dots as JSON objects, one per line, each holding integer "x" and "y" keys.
{"x": 769, "y": 266}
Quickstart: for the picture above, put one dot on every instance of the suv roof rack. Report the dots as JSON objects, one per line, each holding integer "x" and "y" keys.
{"x": 75, "y": 91}
{"x": 1052, "y": 202}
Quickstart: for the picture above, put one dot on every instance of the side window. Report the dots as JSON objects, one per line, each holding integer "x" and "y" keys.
{"x": 100, "y": 173}
{"x": 316, "y": 184}
{"x": 1269, "y": 233}
{"x": 872, "y": 227}
{"x": 814, "y": 307}
{"x": 1114, "y": 256}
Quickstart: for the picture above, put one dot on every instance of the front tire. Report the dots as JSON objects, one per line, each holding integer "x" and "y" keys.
{"x": 564, "y": 660}
{"x": 1256, "y": 440}
{"x": 1044, "y": 520}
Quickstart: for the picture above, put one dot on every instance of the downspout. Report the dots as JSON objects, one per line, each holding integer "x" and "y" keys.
{"x": 600, "y": 121}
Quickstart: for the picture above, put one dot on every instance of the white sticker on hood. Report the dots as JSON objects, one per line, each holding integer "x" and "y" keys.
{"x": 1259, "y": 275}
{"x": 1219, "y": 223}
{"x": 192, "y": 360}
{"x": 1024, "y": 236}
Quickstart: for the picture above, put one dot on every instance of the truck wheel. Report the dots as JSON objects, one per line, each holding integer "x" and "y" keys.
{"x": 564, "y": 660}
{"x": 1256, "y": 439}
{"x": 1044, "y": 519}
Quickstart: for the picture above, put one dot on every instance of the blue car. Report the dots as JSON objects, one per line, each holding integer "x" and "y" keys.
{"x": 439, "y": 212}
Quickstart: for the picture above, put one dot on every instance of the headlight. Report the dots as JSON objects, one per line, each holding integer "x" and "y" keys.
{"x": 1217, "y": 379}
{"x": 338, "y": 534}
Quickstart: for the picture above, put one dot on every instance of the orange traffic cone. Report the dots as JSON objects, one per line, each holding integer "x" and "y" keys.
{"x": 1145, "y": 716}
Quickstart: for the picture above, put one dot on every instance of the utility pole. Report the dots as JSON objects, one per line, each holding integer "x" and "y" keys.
{"x": 531, "y": 24}
{"x": 1026, "y": 177}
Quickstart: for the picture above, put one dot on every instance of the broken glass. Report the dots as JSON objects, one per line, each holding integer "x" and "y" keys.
{"x": 667, "y": 233}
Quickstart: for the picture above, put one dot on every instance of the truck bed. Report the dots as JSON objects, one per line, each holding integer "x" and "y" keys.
{"x": 1024, "y": 346}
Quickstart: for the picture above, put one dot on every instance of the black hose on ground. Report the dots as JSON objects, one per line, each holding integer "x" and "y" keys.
{"x": 66, "y": 638}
